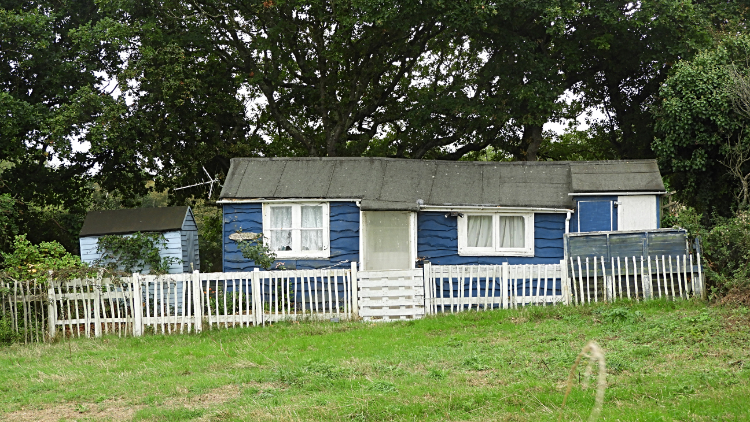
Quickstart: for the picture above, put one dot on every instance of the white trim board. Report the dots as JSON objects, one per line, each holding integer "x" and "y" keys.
{"x": 617, "y": 193}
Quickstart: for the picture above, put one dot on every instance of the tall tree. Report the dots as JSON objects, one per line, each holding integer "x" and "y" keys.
{"x": 48, "y": 96}
{"x": 701, "y": 132}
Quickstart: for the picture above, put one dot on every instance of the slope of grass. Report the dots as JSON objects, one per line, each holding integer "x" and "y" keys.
{"x": 665, "y": 361}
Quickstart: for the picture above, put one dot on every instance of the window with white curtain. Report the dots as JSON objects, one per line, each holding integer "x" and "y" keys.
{"x": 297, "y": 230}
{"x": 496, "y": 234}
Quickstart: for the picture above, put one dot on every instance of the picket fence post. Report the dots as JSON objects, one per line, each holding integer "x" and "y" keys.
{"x": 51, "y": 309}
{"x": 197, "y": 305}
{"x": 564, "y": 290}
{"x": 355, "y": 291}
{"x": 704, "y": 294}
{"x": 97, "y": 305}
{"x": 257, "y": 300}
{"x": 137, "y": 306}
{"x": 504, "y": 290}
{"x": 427, "y": 288}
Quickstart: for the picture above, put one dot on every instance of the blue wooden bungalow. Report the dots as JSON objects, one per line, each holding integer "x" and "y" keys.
{"x": 390, "y": 214}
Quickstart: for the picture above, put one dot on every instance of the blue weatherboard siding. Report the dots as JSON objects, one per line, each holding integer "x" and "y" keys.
{"x": 594, "y": 214}
{"x": 437, "y": 241}
{"x": 249, "y": 218}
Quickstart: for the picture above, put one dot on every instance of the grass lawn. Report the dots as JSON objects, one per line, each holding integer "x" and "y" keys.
{"x": 667, "y": 361}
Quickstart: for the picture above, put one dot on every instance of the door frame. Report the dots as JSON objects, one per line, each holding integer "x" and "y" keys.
{"x": 412, "y": 238}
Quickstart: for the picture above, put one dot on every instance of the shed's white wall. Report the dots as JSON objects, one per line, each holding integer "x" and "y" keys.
{"x": 189, "y": 240}
{"x": 173, "y": 248}
{"x": 636, "y": 212}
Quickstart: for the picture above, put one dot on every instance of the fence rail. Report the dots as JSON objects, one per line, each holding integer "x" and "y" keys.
{"x": 184, "y": 303}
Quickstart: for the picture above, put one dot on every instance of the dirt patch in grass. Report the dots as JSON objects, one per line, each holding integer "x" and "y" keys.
{"x": 483, "y": 379}
{"x": 105, "y": 411}
{"x": 211, "y": 398}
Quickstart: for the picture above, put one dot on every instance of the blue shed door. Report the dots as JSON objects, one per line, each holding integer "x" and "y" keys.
{"x": 595, "y": 216}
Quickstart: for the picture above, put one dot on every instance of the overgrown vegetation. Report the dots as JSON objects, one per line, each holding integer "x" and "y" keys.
{"x": 725, "y": 250}
{"x": 27, "y": 261}
{"x": 135, "y": 253}
{"x": 665, "y": 361}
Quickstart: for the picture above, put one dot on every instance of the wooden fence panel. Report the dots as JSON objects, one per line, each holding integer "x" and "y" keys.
{"x": 634, "y": 278}
{"x": 391, "y": 295}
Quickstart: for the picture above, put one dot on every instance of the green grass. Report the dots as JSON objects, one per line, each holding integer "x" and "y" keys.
{"x": 666, "y": 361}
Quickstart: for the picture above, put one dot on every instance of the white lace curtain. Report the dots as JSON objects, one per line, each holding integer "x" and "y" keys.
{"x": 310, "y": 228}
{"x": 281, "y": 228}
{"x": 512, "y": 231}
{"x": 479, "y": 231}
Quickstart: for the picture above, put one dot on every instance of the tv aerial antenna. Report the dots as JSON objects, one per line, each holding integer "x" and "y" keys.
{"x": 210, "y": 181}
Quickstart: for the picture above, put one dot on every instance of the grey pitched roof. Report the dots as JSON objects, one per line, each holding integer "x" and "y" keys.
{"x": 398, "y": 184}
{"x": 133, "y": 220}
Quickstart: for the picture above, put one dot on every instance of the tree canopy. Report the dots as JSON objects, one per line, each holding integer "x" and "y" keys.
{"x": 700, "y": 131}
{"x": 171, "y": 90}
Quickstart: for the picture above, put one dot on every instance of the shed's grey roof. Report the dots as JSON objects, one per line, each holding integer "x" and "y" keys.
{"x": 133, "y": 220}
{"x": 398, "y": 184}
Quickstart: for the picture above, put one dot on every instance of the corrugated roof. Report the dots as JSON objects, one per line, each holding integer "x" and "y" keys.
{"x": 391, "y": 184}
{"x": 163, "y": 219}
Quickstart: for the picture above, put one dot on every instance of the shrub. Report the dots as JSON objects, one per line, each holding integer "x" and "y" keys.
{"x": 33, "y": 262}
{"x": 725, "y": 248}
{"x": 727, "y": 253}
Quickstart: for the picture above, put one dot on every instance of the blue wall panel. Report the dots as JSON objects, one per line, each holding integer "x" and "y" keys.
{"x": 594, "y": 214}
{"x": 437, "y": 241}
{"x": 249, "y": 218}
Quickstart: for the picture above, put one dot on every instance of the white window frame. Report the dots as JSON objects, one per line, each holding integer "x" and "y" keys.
{"x": 296, "y": 253}
{"x": 527, "y": 250}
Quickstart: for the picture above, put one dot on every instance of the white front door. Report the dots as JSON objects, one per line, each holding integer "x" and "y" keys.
{"x": 388, "y": 240}
{"x": 636, "y": 212}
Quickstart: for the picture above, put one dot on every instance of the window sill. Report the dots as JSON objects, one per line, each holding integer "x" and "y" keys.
{"x": 524, "y": 253}
{"x": 280, "y": 256}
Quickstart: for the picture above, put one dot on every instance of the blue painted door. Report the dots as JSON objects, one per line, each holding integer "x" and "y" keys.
{"x": 595, "y": 216}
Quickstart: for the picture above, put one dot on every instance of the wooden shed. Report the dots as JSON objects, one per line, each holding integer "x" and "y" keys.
{"x": 176, "y": 223}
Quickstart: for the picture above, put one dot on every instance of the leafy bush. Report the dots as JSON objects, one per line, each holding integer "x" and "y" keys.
{"x": 727, "y": 253}
{"x": 258, "y": 251}
{"x": 725, "y": 248}
{"x": 28, "y": 261}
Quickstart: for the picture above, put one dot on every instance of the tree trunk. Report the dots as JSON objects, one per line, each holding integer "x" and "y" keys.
{"x": 532, "y": 137}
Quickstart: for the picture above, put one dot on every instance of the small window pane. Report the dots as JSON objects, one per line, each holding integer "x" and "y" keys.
{"x": 312, "y": 217}
{"x": 281, "y": 217}
{"x": 512, "y": 232}
{"x": 312, "y": 240}
{"x": 281, "y": 240}
{"x": 479, "y": 230}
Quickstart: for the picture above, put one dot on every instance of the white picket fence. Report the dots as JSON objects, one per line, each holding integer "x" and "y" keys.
{"x": 637, "y": 278}
{"x": 184, "y": 303}
{"x": 456, "y": 288}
